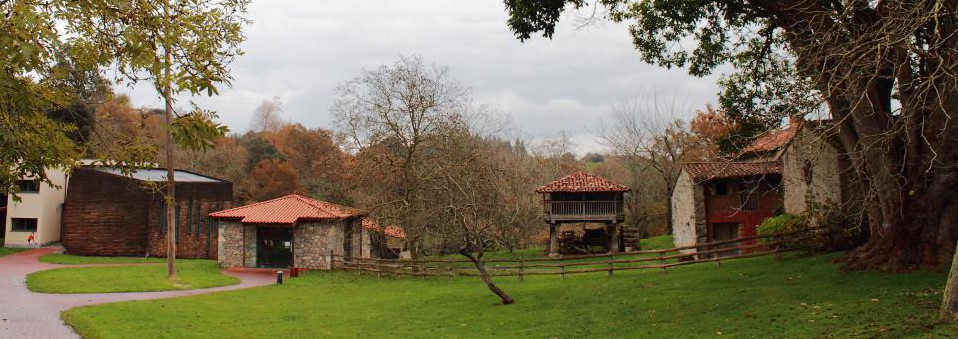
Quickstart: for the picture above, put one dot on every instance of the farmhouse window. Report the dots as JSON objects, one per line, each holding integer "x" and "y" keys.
{"x": 23, "y": 224}
{"x": 29, "y": 186}
{"x": 748, "y": 193}
{"x": 721, "y": 188}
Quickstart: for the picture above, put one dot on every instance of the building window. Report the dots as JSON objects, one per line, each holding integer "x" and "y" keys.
{"x": 199, "y": 220}
{"x": 189, "y": 217}
{"x": 176, "y": 224}
{"x": 29, "y": 186}
{"x": 163, "y": 219}
{"x": 720, "y": 188}
{"x": 23, "y": 224}
{"x": 749, "y": 197}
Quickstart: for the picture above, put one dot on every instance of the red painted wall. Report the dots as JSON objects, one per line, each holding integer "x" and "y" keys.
{"x": 727, "y": 208}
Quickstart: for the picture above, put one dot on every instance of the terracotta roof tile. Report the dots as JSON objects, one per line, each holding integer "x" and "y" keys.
{"x": 582, "y": 182}
{"x": 390, "y": 230}
{"x": 718, "y": 170}
{"x": 287, "y": 210}
{"x": 773, "y": 140}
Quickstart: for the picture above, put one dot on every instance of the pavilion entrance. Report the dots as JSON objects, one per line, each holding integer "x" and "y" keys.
{"x": 274, "y": 247}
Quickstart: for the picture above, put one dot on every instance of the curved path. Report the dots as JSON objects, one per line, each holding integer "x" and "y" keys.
{"x": 24, "y": 314}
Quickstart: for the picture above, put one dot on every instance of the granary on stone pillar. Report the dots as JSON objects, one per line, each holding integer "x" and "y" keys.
{"x": 584, "y": 198}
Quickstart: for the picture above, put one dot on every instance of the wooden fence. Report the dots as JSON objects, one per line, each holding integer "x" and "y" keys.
{"x": 658, "y": 259}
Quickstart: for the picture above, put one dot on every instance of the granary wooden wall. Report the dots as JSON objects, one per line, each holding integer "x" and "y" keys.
{"x": 111, "y": 215}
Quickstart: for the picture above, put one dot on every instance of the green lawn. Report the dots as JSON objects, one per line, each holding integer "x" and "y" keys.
{"x": 9, "y": 250}
{"x": 749, "y": 298}
{"x": 190, "y": 274}
{"x": 67, "y": 259}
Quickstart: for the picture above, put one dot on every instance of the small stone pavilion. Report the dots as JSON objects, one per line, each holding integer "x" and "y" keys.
{"x": 296, "y": 231}
{"x": 582, "y": 197}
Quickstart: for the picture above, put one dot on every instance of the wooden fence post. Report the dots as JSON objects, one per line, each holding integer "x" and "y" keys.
{"x": 562, "y": 267}
{"x": 362, "y": 265}
{"x": 662, "y": 262}
{"x": 611, "y": 264}
{"x": 520, "y": 269}
{"x": 379, "y": 267}
{"x": 451, "y": 270}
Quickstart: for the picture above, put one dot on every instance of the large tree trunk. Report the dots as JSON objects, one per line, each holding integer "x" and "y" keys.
{"x": 481, "y": 267}
{"x": 949, "y": 302}
{"x": 170, "y": 199}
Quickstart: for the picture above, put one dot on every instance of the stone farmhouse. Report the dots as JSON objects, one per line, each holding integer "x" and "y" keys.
{"x": 723, "y": 200}
{"x": 296, "y": 231}
{"x": 108, "y": 213}
{"x": 781, "y": 171}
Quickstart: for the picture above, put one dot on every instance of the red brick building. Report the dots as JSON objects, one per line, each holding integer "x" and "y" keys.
{"x": 109, "y": 214}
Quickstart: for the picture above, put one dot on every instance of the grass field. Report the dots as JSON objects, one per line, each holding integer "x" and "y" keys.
{"x": 67, "y": 259}
{"x": 190, "y": 274}
{"x": 750, "y": 298}
{"x": 8, "y": 250}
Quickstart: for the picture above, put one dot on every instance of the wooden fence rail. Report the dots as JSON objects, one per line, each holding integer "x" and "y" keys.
{"x": 660, "y": 259}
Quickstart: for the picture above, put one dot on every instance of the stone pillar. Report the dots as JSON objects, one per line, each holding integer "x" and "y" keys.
{"x": 612, "y": 231}
{"x": 553, "y": 240}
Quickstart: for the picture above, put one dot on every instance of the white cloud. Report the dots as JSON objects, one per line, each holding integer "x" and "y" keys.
{"x": 301, "y": 50}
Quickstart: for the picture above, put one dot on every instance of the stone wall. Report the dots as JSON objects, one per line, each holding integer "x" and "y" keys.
{"x": 311, "y": 243}
{"x": 684, "y": 211}
{"x": 249, "y": 245}
{"x": 811, "y": 155}
{"x": 230, "y": 244}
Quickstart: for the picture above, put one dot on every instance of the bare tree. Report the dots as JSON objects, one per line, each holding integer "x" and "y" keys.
{"x": 392, "y": 115}
{"x": 642, "y": 137}
{"x": 268, "y": 116}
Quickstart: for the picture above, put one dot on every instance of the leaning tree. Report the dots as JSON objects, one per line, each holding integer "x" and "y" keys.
{"x": 885, "y": 70}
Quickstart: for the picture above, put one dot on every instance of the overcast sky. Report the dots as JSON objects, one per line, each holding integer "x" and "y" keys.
{"x": 300, "y": 51}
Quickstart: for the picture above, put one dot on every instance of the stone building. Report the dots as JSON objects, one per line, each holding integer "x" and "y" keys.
{"x": 108, "y": 213}
{"x": 815, "y": 170}
{"x": 723, "y": 200}
{"x": 795, "y": 167}
{"x": 296, "y": 231}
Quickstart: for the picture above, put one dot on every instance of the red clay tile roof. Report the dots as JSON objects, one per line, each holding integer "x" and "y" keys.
{"x": 773, "y": 140}
{"x": 391, "y": 231}
{"x": 287, "y": 210}
{"x": 582, "y": 182}
{"x": 718, "y": 170}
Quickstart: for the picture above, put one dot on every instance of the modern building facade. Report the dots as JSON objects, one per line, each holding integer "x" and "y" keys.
{"x": 38, "y": 212}
{"x": 109, "y": 213}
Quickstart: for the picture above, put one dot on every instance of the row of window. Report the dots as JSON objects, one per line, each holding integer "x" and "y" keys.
{"x": 195, "y": 221}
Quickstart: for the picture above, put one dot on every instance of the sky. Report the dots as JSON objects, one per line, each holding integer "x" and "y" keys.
{"x": 300, "y": 51}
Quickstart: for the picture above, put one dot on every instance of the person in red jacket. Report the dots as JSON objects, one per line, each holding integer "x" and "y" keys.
{"x": 32, "y": 238}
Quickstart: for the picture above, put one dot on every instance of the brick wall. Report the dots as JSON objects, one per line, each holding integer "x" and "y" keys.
{"x": 104, "y": 214}
{"x": 111, "y": 215}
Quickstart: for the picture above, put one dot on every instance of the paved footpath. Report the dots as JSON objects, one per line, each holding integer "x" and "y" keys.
{"x": 24, "y": 314}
